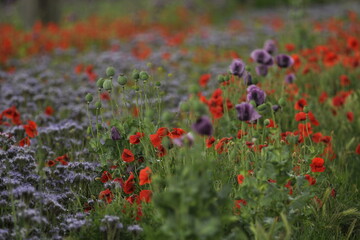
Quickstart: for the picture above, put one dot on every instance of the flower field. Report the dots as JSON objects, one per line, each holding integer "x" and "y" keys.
{"x": 188, "y": 128}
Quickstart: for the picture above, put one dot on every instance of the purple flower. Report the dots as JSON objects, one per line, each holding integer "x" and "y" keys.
{"x": 247, "y": 112}
{"x": 256, "y": 94}
{"x": 270, "y": 46}
{"x": 237, "y": 67}
{"x": 284, "y": 61}
{"x": 203, "y": 126}
{"x": 261, "y": 70}
{"x": 115, "y": 135}
{"x": 290, "y": 78}
{"x": 247, "y": 78}
{"x": 261, "y": 56}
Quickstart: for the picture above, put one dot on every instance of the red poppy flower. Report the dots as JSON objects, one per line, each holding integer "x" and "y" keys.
{"x": 31, "y": 129}
{"x": 240, "y": 178}
{"x": 209, "y": 142}
{"x": 316, "y": 137}
{"x": 176, "y": 133}
{"x": 301, "y": 116}
{"x": 271, "y": 180}
{"x": 135, "y": 139}
{"x": 105, "y": 96}
{"x": 333, "y": 193}
{"x": 288, "y": 186}
{"x": 204, "y": 79}
{"x": 238, "y": 204}
{"x": 12, "y": 114}
{"x": 353, "y": 43}
{"x": 161, "y": 151}
{"x": 127, "y": 156}
{"x": 240, "y": 134}
{"x": 144, "y": 176}
{"x": 220, "y": 146}
{"x": 300, "y": 104}
{"x": 290, "y": 47}
{"x": 344, "y": 80}
{"x": 51, "y": 163}
{"x": 129, "y": 185}
{"x": 317, "y": 165}
{"x": 305, "y": 129}
{"x": 145, "y": 196}
{"x": 350, "y": 116}
{"x": 63, "y": 159}
{"x": 49, "y": 111}
{"x": 323, "y": 97}
{"x": 24, "y": 141}
{"x": 313, "y": 120}
{"x": 310, "y": 179}
{"x": 155, "y": 140}
{"x": 106, "y": 176}
{"x": 357, "y": 150}
{"x": 271, "y": 124}
{"x": 107, "y": 195}
{"x": 162, "y": 132}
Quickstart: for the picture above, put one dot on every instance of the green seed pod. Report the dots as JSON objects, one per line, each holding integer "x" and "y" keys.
{"x": 306, "y": 109}
{"x": 184, "y": 106}
{"x": 248, "y": 68}
{"x": 110, "y": 71}
{"x": 157, "y": 84}
{"x": 194, "y": 89}
{"x": 107, "y": 85}
{"x": 166, "y": 116}
{"x": 144, "y": 75}
{"x": 98, "y": 105}
{"x": 226, "y": 78}
{"x": 89, "y": 98}
{"x": 122, "y": 80}
{"x": 266, "y": 122}
{"x": 221, "y": 78}
{"x": 100, "y": 83}
{"x": 282, "y": 102}
{"x": 135, "y": 74}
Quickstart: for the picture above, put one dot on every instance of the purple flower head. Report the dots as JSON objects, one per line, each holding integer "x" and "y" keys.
{"x": 203, "y": 126}
{"x": 115, "y": 135}
{"x": 290, "y": 78}
{"x": 270, "y": 46}
{"x": 261, "y": 56}
{"x": 284, "y": 61}
{"x": 237, "y": 67}
{"x": 247, "y": 78}
{"x": 256, "y": 94}
{"x": 247, "y": 112}
{"x": 261, "y": 70}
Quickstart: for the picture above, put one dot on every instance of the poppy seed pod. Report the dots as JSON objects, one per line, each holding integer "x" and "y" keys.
{"x": 122, "y": 80}
{"x": 262, "y": 57}
{"x": 157, "y": 84}
{"x": 284, "y": 61}
{"x": 100, "y": 82}
{"x": 98, "y": 105}
{"x": 107, "y": 85}
{"x": 203, "y": 126}
{"x": 144, "y": 75}
{"x": 237, "y": 67}
{"x": 135, "y": 74}
{"x": 89, "y": 98}
{"x": 110, "y": 71}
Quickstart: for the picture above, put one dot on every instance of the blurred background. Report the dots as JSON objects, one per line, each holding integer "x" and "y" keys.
{"x": 24, "y": 13}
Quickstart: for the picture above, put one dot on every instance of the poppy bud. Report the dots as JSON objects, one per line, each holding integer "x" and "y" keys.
{"x": 122, "y": 80}
{"x": 110, "y": 71}
{"x": 144, "y": 75}
{"x": 263, "y": 108}
{"x": 135, "y": 74}
{"x": 306, "y": 109}
{"x": 220, "y": 78}
{"x": 98, "y": 105}
{"x": 184, "y": 107}
{"x": 166, "y": 116}
{"x": 100, "y": 83}
{"x": 107, "y": 85}
{"x": 266, "y": 122}
{"x": 89, "y": 98}
{"x": 282, "y": 102}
